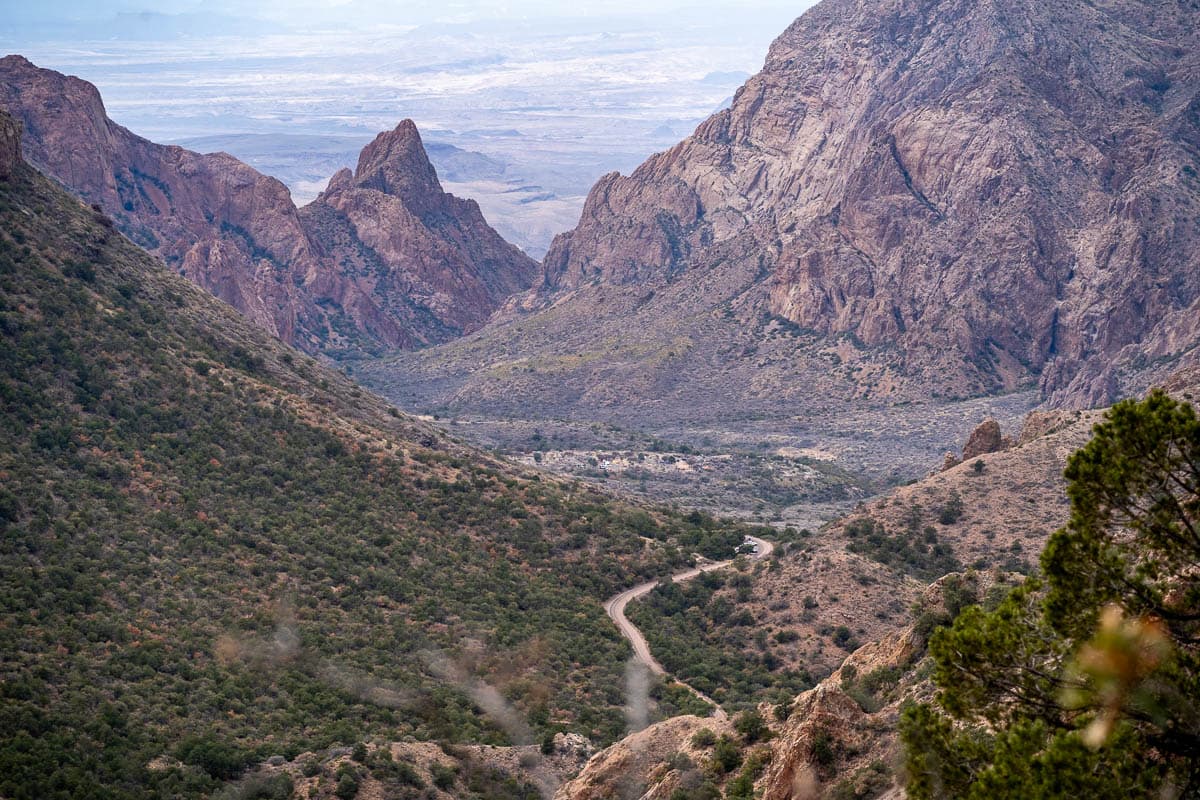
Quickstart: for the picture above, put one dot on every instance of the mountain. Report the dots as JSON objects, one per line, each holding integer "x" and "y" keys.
{"x": 1003, "y": 190}
{"x": 921, "y": 198}
{"x": 215, "y": 549}
{"x": 438, "y": 271}
{"x": 428, "y": 257}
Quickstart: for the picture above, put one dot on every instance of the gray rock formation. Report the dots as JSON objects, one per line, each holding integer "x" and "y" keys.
{"x": 1005, "y": 191}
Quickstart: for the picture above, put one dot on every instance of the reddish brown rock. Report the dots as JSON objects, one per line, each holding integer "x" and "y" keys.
{"x": 986, "y": 438}
{"x": 425, "y": 256}
{"x": 438, "y": 269}
{"x": 1005, "y": 192}
{"x": 226, "y": 226}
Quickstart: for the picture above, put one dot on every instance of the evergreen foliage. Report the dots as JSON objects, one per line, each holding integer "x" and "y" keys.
{"x": 1085, "y": 682}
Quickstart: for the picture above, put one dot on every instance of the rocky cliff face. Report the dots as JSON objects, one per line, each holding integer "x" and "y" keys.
{"x": 10, "y": 145}
{"x": 424, "y": 256}
{"x": 210, "y": 217}
{"x": 1007, "y": 191}
{"x": 237, "y": 233}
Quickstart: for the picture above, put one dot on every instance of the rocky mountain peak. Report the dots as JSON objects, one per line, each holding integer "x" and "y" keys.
{"x": 395, "y": 163}
{"x": 10, "y": 145}
{"x": 391, "y": 219}
{"x": 383, "y": 259}
{"x": 1001, "y": 191}
{"x": 342, "y": 179}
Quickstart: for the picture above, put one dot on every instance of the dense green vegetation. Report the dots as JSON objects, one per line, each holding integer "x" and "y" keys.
{"x": 215, "y": 550}
{"x": 700, "y": 635}
{"x": 1084, "y": 682}
{"x": 916, "y": 550}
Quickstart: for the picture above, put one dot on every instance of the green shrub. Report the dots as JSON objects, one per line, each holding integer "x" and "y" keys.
{"x": 704, "y": 791}
{"x": 952, "y": 511}
{"x": 218, "y": 758}
{"x": 726, "y": 755}
{"x": 347, "y": 786}
{"x": 824, "y": 748}
{"x": 752, "y": 727}
{"x": 443, "y": 776}
{"x": 261, "y": 787}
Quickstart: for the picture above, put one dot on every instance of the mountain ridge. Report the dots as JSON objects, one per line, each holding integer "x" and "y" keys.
{"x": 871, "y": 131}
{"x": 237, "y": 233}
{"x": 958, "y": 199}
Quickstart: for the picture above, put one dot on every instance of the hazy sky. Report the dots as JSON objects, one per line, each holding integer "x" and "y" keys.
{"x": 305, "y": 12}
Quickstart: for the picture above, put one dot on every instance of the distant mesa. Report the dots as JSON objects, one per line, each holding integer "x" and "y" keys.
{"x": 725, "y": 78}
{"x": 497, "y": 133}
{"x": 458, "y": 165}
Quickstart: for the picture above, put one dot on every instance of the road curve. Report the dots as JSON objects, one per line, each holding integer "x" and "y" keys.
{"x": 615, "y": 608}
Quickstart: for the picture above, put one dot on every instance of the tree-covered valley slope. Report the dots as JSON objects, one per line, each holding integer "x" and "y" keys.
{"x": 216, "y": 550}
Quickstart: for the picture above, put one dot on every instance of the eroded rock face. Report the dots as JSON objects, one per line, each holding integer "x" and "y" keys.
{"x": 986, "y": 438}
{"x": 437, "y": 271}
{"x": 633, "y": 767}
{"x": 10, "y": 145}
{"x": 210, "y": 217}
{"x": 426, "y": 257}
{"x": 1005, "y": 191}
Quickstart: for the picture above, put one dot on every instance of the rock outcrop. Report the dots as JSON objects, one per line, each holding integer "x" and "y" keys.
{"x": 635, "y": 766}
{"x": 10, "y": 145}
{"x": 1003, "y": 191}
{"x": 438, "y": 269}
{"x": 986, "y": 438}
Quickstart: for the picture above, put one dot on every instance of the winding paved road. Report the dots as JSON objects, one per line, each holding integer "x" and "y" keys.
{"x": 615, "y": 608}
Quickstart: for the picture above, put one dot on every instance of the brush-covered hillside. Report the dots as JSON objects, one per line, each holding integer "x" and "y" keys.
{"x": 963, "y": 688}
{"x": 216, "y": 550}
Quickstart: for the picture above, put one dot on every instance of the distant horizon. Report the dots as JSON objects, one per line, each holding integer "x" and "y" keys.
{"x": 300, "y": 14}
{"x": 544, "y": 97}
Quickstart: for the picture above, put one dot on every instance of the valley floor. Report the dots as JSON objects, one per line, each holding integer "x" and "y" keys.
{"x": 785, "y": 469}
